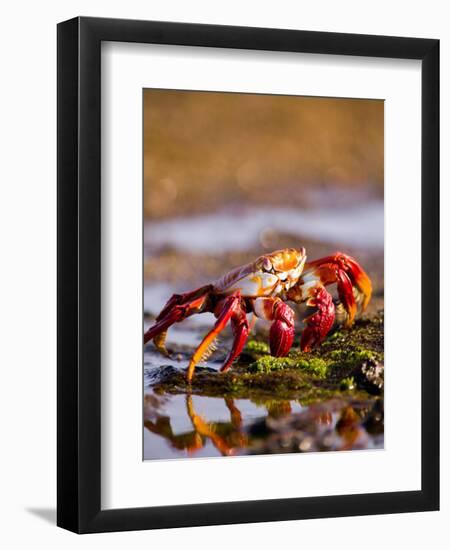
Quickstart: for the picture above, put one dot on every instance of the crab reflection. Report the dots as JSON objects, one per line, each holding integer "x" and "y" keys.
{"x": 226, "y": 436}
{"x": 342, "y": 425}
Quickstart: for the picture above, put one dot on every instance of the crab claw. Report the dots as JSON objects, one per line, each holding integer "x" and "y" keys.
{"x": 282, "y": 330}
{"x": 320, "y": 322}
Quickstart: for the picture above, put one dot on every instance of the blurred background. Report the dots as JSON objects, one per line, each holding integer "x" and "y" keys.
{"x": 203, "y": 150}
{"x": 228, "y": 176}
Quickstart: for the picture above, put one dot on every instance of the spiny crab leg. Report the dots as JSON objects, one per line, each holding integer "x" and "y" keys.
{"x": 228, "y": 308}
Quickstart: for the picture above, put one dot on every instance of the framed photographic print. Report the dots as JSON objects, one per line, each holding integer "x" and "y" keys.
{"x": 248, "y": 259}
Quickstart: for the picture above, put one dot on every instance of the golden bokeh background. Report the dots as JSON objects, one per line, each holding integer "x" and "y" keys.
{"x": 204, "y": 150}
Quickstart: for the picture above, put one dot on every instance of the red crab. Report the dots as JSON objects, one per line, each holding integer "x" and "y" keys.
{"x": 262, "y": 287}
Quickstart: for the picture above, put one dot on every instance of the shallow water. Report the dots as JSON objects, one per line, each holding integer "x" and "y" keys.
{"x": 359, "y": 225}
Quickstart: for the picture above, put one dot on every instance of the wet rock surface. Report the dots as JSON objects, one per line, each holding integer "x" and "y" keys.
{"x": 349, "y": 362}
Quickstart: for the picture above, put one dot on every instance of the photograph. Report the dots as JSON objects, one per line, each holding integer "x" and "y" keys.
{"x": 263, "y": 274}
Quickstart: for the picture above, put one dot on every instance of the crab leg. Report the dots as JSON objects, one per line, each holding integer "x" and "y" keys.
{"x": 176, "y": 309}
{"x": 225, "y": 310}
{"x": 240, "y": 327}
{"x": 282, "y": 329}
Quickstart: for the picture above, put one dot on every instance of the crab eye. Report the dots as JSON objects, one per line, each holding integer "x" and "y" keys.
{"x": 267, "y": 264}
{"x": 301, "y": 256}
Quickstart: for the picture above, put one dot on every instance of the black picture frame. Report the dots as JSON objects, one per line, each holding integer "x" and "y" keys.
{"x": 79, "y": 275}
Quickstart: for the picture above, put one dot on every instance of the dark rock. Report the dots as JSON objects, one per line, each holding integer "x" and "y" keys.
{"x": 160, "y": 374}
{"x": 370, "y": 376}
{"x": 374, "y": 421}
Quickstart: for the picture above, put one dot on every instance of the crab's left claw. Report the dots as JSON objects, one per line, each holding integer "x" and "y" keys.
{"x": 353, "y": 284}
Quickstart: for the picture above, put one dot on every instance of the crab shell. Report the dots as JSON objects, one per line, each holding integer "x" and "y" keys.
{"x": 269, "y": 275}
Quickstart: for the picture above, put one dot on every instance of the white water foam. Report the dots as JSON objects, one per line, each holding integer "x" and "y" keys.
{"x": 358, "y": 226}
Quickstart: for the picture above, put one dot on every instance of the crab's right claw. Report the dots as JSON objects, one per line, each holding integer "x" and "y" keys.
{"x": 320, "y": 322}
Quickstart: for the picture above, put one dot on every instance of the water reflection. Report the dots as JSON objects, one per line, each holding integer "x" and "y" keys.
{"x": 284, "y": 426}
{"x": 225, "y": 436}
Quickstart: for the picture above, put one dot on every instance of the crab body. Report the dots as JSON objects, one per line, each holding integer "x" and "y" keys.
{"x": 263, "y": 287}
{"x": 270, "y": 275}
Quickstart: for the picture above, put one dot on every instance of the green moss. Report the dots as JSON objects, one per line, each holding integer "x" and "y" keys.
{"x": 331, "y": 370}
{"x": 335, "y": 336}
{"x": 267, "y": 363}
{"x": 257, "y": 347}
{"x": 352, "y": 357}
{"x": 240, "y": 383}
{"x": 347, "y": 384}
{"x": 312, "y": 365}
